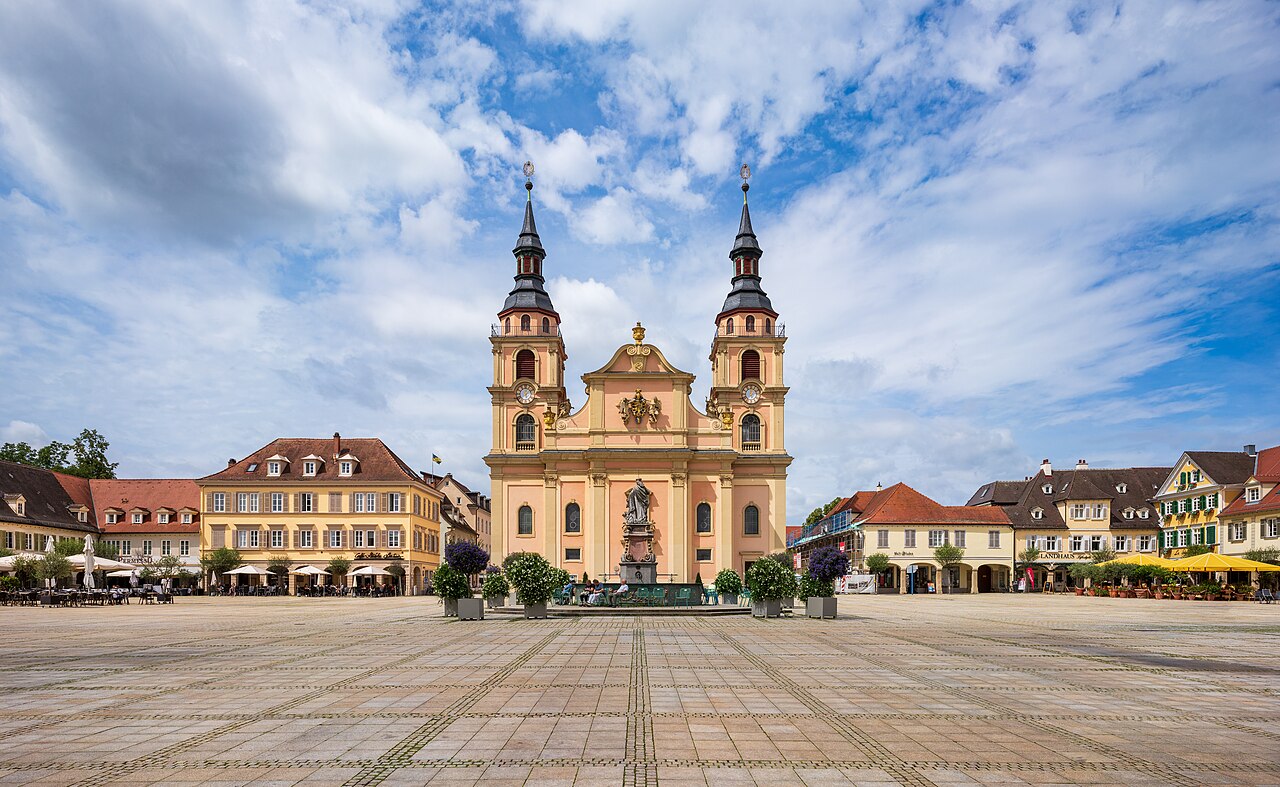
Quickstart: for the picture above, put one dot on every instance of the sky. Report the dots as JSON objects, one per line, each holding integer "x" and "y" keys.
{"x": 996, "y": 231}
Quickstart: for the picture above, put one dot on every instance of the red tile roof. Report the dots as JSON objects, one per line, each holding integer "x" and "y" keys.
{"x": 902, "y": 505}
{"x": 1268, "y": 471}
{"x": 149, "y": 494}
{"x": 376, "y": 462}
{"x": 1269, "y": 503}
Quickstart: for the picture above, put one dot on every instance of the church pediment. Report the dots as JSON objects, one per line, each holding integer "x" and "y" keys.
{"x": 638, "y": 359}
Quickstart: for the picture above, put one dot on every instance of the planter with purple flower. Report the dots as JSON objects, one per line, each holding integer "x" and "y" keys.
{"x": 826, "y": 564}
{"x": 466, "y": 559}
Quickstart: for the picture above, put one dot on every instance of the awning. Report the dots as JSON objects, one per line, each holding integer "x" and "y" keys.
{"x": 1212, "y": 561}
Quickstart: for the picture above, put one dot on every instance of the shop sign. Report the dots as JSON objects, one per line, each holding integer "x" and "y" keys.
{"x": 378, "y": 556}
{"x": 137, "y": 560}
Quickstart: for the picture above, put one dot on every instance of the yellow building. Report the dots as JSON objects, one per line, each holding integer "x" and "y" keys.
{"x": 1201, "y": 484}
{"x": 712, "y": 477}
{"x": 309, "y": 500}
{"x": 1068, "y": 515}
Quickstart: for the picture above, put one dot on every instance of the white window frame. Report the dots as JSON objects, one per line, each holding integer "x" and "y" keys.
{"x": 242, "y": 502}
{"x": 184, "y": 548}
{"x": 937, "y": 538}
{"x": 137, "y": 519}
{"x": 309, "y": 467}
{"x": 1121, "y": 543}
{"x": 166, "y": 547}
{"x": 345, "y": 467}
{"x": 1195, "y": 536}
{"x": 370, "y": 502}
{"x": 1271, "y": 528}
{"x": 219, "y": 502}
{"x": 277, "y": 538}
{"x": 1079, "y": 511}
{"x": 393, "y": 539}
{"x": 162, "y": 519}
{"x": 146, "y": 547}
{"x": 112, "y": 518}
{"x": 371, "y": 539}
{"x": 1051, "y": 543}
{"x": 1100, "y": 511}
{"x": 357, "y": 503}
{"x": 1143, "y": 513}
{"x": 126, "y": 547}
{"x": 307, "y": 502}
{"x": 959, "y": 536}
{"x": 909, "y": 538}
{"x": 993, "y": 539}
{"x": 882, "y": 539}
{"x": 357, "y": 539}
{"x": 1145, "y": 544}
{"x": 1182, "y": 538}
{"x": 394, "y": 500}
{"x": 277, "y": 502}
{"x": 255, "y": 502}
{"x": 335, "y": 539}
{"x": 1037, "y": 513}
{"x": 1252, "y": 494}
{"x": 1238, "y": 531}
{"x": 273, "y": 467}
{"x": 1077, "y": 544}
{"x": 255, "y": 539}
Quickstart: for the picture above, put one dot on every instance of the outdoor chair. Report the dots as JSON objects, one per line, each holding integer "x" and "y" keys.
{"x": 684, "y": 596}
{"x": 1265, "y": 596}
{"x": 709, "y": 592}
{"x": 744, "y": 598}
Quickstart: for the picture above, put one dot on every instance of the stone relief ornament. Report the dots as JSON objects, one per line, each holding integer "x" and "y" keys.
{"x": 638, "y": 351}
{"x": 639, "y": 409}
{"x": 559, "y": 413}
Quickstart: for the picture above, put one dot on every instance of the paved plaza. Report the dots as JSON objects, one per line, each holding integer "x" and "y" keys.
{"x": 925, "y": 690}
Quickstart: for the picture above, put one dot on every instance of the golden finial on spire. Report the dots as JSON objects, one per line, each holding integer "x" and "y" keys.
{"x": 637, "y": 333}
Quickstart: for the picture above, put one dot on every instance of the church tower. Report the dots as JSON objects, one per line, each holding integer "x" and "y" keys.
{"x": 528, "y": 351}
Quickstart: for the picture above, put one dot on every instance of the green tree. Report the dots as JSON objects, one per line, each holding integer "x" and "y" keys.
{"x": 75, "y": 546}
{"x": 89, "y": 450}
{"x": 817, "y": 514}
{"x": 451, "y": 583}
{"x": 168, "y": 567}
{"x": 25, "y": 569}
{"x": 53, "y": 567}
{"x": 338, "y": 567}
{"x": 221, "y": 560}
{"x": 877, "y": 563}
{"x": 1028, "y": 557}
{"x": 947, "y": 556}
{"x": 1265, "y": 555}
{"x": 1197, "y": 549}
{"x": 1102, "y": 555}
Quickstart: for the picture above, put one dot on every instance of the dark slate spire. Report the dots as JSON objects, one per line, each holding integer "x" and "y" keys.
{"x": 528, "y": 292}
{"x": 746, "y": 292}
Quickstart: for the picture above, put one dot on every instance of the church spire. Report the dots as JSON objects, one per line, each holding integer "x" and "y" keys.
{"x": 746, "y": 292}
{"x": 528, "y": 292}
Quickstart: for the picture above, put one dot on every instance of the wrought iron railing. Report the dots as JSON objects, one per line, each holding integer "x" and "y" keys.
{"x": 498, "y": 329}
{"x": 774, "y": 331}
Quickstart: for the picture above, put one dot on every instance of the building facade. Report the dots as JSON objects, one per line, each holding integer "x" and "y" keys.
{"x": 147, "y": 519}
{"x": 1252, "y": 521}
{"x": 1068, "y": 515}
{"x": 715, "y": 475}
{"x": 469, "y": 510}
{"x": 1197, "y": 488}
{"x": 39, "y": 504}
{"x": 309, "y": 500}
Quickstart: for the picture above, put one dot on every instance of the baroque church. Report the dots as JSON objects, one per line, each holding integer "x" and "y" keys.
{"x": 637, "y": 481}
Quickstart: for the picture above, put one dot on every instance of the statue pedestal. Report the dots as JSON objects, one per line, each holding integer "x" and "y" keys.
{"x": 634, "y": 572}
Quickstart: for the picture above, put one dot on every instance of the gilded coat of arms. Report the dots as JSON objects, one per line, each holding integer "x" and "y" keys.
{"x": 639, "y": 409}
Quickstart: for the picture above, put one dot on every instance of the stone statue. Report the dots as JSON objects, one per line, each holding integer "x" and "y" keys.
{"x": 637, "y": 504}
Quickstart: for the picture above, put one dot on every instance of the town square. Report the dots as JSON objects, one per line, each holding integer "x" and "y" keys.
{"x": 608, "y": 393}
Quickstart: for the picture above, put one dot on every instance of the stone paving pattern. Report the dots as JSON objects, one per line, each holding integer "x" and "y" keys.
{"x": 955, "y": 690}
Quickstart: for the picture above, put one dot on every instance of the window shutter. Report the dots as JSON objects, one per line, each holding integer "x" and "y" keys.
{"x": 297, "y": 502}
{"x": 353, "y": 500}
{"x": 1160, "y": 538}
{"x": 1211, "y": 534}
{"x": 383, "y": 503}
{"x": 208, "y": 501}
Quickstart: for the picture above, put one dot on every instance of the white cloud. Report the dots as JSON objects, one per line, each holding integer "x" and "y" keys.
{"x": 614, "y": 218}
{"x": 23, "y": 432}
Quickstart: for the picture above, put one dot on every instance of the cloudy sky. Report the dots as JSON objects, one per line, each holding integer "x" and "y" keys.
{"x": 996, "y": 232}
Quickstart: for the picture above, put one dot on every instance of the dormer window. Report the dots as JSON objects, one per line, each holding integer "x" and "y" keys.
{"x": 309, "y": 467}
{"x": 17, "y": 503}
{"x": 186, "y": 519}
{"x": 112, "y": 518}
{"x": 1037, "y": 513}
{"x": 1128, "y": 513}
{"x": 1122, "y": 488}
{"x": 162, "y": 519}
{"x": 1252, "y": 494}
{"x": 137, "y": 519}
{"x": 1143, "y": 513}
{"x": 82, "y": 516}
{"x": 273, "y": 468}
{"x": 345, "y": 467}
{"x": 1047, "y": 489}
{"x": 276, "y": 465}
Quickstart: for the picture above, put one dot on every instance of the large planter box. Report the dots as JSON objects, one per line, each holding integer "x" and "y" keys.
{"x": 766, "y": 608}
{"x": 534, "y": 611}
{"x": 495, "y": 601}
{"x": 470, "y": 609}
{"x": 513, "y": 600}
{"x": 451, "y": 607}
{"x": 822, "y": 607}
{"x": 730, "y": 599}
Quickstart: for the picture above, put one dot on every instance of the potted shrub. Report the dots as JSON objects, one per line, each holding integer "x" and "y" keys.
{"x": 728, "y": 586}
{"x": 495, "y": 587}
{"x": 467, "y": 559}
{"x": 770, "y": 582}
{"x": 826, "y": 564}
{"x": 451, "y": 585}
{"x": 530, "y": 574}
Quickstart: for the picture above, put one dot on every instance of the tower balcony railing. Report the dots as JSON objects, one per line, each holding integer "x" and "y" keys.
{"x": 775, "y": 331}
{"x": 752, "y": 445}
{"x": 498, "y": 329}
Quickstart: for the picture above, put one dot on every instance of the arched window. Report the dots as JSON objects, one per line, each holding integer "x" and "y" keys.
{"x": 751, "y": 365}
{"x": 751, "y": 324}
{"x": 525, "y": 368}
{"x": 572, "y": 518}
{"x": 768, "y": 326}
{"x": 524, "y": 521}
{"x": 526, "y": 433}
{"x": 524, "y": 323}
{"x": 546, "y": 326}
{"x": 728, "y": 325}
{"x": 704, "y": 518}
{"x": 751, "y": 521}
{"x": 750, "y": 432}
{"x": 506, "y": 327}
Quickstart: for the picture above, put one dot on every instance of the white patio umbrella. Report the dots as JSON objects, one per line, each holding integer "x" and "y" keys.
{"x": 122, "y": 574}
{"x": 99, "y": 564}
{"x": 48, "y": 545}
{"x": 370, "y": 571}
{"x": 310, "y": 571}
{"x": 6, "y": 563}
{"x": 88, "y": 561}
{"x": 248, "y": 571}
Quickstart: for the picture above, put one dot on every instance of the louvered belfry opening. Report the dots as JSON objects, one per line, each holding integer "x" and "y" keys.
{"x": 524, "y": 365}
{"x": 751, "y": 365}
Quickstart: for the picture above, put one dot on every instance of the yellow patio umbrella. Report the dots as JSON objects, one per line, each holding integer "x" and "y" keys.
{"x": 1141, "y": 560}
{"x": 1212, "y": 561}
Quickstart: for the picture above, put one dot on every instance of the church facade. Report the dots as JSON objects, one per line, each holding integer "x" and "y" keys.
{"x": 566, "y": 478}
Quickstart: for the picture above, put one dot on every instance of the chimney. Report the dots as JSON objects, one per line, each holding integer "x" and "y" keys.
{"x": 1251, "y": 450}
{"x": 337, "y": 445}
{"x": 1046, "y": 468}
{"x": 231, "y": 463}
{"x": 1082, "y": 465}
{"x": 879, "y": 486}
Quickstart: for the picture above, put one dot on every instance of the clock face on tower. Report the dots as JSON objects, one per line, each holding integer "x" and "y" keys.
{"x": 751, "y": 394}
{"x": 524, "y": 393}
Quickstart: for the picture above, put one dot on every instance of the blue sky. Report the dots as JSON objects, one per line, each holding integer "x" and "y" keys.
{"x": 996, "y": 232}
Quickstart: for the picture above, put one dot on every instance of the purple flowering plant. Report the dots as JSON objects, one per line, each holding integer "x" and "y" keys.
{"x": 466, "y": 557}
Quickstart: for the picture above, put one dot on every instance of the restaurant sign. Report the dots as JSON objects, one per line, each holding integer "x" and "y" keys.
{"x": 378, "y": 556}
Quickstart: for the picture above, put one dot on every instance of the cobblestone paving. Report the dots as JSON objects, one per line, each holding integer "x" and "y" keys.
{"x": 919, "y": 691}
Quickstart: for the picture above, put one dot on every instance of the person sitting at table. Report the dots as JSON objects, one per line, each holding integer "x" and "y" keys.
{"x": 597, "y": 593}
{"x": 567, "y": 590}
